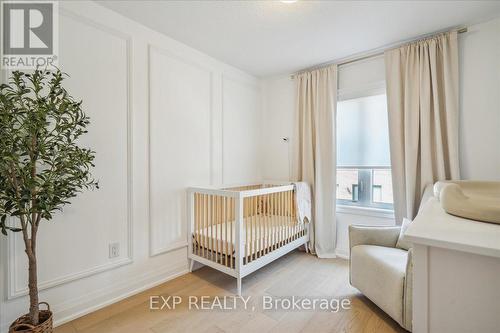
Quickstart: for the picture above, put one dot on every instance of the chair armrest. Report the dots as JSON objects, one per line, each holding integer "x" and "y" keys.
{"x": 381, "y": 236}
{"x": 408, "y": 292}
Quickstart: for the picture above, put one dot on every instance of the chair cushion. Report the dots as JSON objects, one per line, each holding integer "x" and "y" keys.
{"x": 379, "y": 273}
{"x": 402, "y": 243}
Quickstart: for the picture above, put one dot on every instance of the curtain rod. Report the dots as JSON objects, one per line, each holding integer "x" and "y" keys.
{"x": 371, "y": 54}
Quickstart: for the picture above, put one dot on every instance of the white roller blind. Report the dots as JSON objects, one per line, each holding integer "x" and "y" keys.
{"x": 362, "y": 78}
{"x": 362, "y": 124}
{"x": 362, "y": 132}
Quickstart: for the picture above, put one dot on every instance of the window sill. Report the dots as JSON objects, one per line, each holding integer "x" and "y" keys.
{"x": 366, "y": 211}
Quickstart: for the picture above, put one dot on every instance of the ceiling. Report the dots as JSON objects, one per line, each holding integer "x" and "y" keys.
{"x": 266, "y": 38}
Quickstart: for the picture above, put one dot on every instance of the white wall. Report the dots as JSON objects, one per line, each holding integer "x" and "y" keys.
{"x": 480, "y": 101}
{"x": 479, "y": 118}
{"x": 278, "y": 121}
{"x": 164, "y": 117}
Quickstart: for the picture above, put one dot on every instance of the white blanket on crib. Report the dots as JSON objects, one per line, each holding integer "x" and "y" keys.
{"x": 303, "y": 201}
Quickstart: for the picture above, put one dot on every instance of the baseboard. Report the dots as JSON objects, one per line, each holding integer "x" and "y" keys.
{"x": 327, "y": 256}
{"x": 342, "y": 253}
{"x": 101, "y": 298}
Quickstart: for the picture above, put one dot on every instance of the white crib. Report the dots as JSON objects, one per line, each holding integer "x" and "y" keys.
{"x": 240, "y": 229}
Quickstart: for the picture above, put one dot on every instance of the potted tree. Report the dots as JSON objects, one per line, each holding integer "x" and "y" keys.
{"x": 42, "y": 166}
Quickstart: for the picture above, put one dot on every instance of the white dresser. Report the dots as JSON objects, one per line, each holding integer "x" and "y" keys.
{"x": 456, "y": 273}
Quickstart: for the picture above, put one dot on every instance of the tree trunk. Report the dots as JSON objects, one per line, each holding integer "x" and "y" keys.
{"x": 33, "y": 289}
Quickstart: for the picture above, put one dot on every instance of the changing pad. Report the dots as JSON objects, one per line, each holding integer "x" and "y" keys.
{"x": 474, "y": 200}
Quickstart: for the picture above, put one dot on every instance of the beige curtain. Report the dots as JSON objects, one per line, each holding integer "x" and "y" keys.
{"x": 316, "y": 156}
{"x": 422, "y": 97}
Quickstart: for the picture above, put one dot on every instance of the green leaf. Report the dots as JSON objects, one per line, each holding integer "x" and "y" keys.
{"x": 42, "y": 162}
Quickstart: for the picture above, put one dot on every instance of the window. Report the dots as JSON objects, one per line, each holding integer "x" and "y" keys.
{"x": 363, "y": 161}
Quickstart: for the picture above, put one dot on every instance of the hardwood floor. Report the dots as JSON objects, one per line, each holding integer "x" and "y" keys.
{"x": 296, "y": 274}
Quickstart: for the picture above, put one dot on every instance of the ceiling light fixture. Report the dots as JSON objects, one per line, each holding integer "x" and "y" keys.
{"x": 289, "y": 1}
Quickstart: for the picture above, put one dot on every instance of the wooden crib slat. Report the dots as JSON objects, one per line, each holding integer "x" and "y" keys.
{"x": 255, "y": 230}
{"x": 288, "y": 224}
{"x": 253, "y": 250}
{"x": 261, "y": 227}
{"x": 257, "y": 222}
{"x": 299, "y": 226}
{"x": 258, "y": 229}
{"x": 221, "y": 226}
{"x": 249, "y": 228}
{"x": 198, "y": 221}
{"x": 281, "y": 209}
{"x": 264, "y": 222}
{"x": 224, "y": 219}
{"x": 278, "y": 220}
{"x": 293, "y": 222}
{"x": 273, "y": 221}
{"x": 248, "y": 224}
{"x": 231, "y": 251}
{"x": 269, "y": 222}
{"x": 248, "y": 209}
{"x": 221, "y": 239}
{"x": 290, "y": 217}
{"x": 285, "y": 218}
{"x": 210, "y": 228}
{"x": 214, "y": 228}
{"x": 217, "y": 227}
{"x": 195, "y": 230}
{"x": 205, "y": 225}
{"x": 200, "y": 216}
{"x": 229, "y": 236}
{"x": 219, "y": 222}
{"x": 208, "y": 217}
{"x": 228, "y": 232}
{"x": 288, "y": 220}
{"x": 194, "y": 236}
{"x": 283, "y": 223}
{"x": 252, "y": 227}
{"x": 282, "y": 216}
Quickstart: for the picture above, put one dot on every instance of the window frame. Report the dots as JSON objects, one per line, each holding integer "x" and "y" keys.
{"x": 365, "y": 189}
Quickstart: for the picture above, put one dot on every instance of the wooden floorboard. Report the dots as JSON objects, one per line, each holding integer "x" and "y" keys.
{"x": 296, "y": 274}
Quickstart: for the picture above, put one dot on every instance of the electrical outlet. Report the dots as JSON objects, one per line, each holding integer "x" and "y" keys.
{"x": 114, "y": 250}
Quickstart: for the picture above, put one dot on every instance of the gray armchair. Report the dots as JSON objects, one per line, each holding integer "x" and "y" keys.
{"x": 381, "y": 271}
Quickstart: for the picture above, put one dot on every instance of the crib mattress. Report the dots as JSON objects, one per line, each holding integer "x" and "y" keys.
{"x": 264, "y": 232}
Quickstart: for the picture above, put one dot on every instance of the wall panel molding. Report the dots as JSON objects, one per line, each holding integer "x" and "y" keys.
{"x": 181, "y": 242}
{"x": 14, "y": 290}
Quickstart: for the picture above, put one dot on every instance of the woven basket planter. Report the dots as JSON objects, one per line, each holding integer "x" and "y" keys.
{"x": 22, "y": 324}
